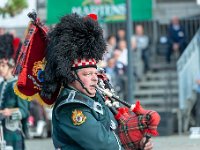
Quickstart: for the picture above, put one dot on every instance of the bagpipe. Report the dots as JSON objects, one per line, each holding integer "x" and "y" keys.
{"x": 134, "y": 122}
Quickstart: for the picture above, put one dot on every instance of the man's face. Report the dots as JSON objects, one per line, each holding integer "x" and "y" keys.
{"x": 121, "y": 33}
{"x": 139, "y": 30}
{"x": 4, "y": 68}
{"x": 88, "y": 76}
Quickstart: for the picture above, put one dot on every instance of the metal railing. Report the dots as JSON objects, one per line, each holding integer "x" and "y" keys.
{"x": 188, "y": 68}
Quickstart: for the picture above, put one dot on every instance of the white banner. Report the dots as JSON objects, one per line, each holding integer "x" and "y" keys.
{"x": 20, "y": 20}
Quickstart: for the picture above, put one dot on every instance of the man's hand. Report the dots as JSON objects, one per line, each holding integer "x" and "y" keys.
{"x": 7, "y": 112}
{"x": 147, "y": 146}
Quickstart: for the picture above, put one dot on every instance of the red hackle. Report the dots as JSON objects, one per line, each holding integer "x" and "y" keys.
{"x": 93, "y": 16}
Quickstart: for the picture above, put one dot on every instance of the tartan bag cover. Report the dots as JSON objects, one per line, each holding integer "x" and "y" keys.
{"x": 134, "y": 126}
{"x": 30, "y": 64}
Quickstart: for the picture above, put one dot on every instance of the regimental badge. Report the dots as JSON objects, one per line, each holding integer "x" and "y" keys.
{"x": 38, "y": 70}
{"x": 78, "y": 117}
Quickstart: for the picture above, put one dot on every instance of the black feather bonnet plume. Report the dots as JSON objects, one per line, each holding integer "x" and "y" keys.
{"x": 6, "y": 48}
{"x": 73, "y": 38}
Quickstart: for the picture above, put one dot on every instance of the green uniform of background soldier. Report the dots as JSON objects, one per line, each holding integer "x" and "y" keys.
{"x": 81, "y": 121}
{"x": 13, "y": 109}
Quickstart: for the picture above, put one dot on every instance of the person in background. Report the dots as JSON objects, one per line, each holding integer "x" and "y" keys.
{"x": 110, "y": 71}
{"x": 176, "y": 38}
{"x": 140, "y": 45}
{"x": 111, "y": 45}
{"x": 121, "y": 35}
{"x": 120, "y": 68}
{"x": 81, "y": 120}
{"x": 13, "y": 109}
{"x": 196, "y": 109}
{"x": 16, "y": 42}
{"x": 123, "y": 58}
{"x": 2, "y": 31}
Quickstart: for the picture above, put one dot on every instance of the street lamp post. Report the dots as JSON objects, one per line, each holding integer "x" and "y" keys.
{"x": 130, "y": 53}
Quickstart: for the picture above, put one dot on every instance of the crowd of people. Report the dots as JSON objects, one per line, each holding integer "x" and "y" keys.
{"x": 115, "y": 60}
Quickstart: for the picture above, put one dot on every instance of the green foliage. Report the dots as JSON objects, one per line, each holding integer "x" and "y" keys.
{"x": 13, "y": 7}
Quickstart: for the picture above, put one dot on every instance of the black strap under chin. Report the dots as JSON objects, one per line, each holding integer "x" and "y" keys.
{"x": 79, "y": 80}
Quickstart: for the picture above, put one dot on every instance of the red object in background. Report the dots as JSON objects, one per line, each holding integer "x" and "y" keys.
{"x": 31, "y": 120}
{"x": 16, "y": 44}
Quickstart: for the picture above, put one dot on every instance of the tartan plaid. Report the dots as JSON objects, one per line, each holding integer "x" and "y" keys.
{"x": 132, "y": 128}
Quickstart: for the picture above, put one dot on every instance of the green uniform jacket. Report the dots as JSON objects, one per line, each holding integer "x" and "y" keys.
{"x": 8, "y": 99}
{"x": 89, "y": 131}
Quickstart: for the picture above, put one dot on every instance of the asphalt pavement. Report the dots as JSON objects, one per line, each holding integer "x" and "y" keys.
{"x": 174, "y": 142}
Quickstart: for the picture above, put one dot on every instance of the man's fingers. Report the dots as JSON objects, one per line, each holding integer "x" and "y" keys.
{"x": 148, "y": 145}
